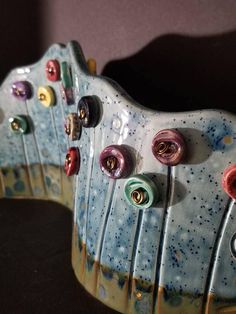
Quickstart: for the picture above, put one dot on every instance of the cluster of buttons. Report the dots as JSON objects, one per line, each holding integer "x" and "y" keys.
{"x": 87, "y": 116}
{"x": 22, "y": 90}
{"x": 168, "y": 147}
{"x": 116, "y": 161}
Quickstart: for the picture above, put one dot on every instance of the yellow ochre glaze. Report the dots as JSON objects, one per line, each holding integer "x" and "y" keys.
{"x": 92, "y": 66}
{"x": 188, "y": 304}
{"x": 227, "y": 310}
{"x": 114, "y": 291}
{"x": 78, "y": 256}
{"x": 141, "y": 293}
{"x": 2, "y": 186}
{"x": 44, "y": 182}
{"x": 112, "y": 288}
{"x": 215, "y": 305}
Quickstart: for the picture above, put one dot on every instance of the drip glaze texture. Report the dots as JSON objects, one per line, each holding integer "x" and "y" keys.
{"x": 173, "y": 255}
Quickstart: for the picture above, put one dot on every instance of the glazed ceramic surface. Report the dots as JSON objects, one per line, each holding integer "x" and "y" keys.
{"x": 166, "y": 243}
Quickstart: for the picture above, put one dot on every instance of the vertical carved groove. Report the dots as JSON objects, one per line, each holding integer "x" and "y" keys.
{"x": 27, "y": 165}
{"x": 107, "y": 210}
{"x": 134, "y": 251}
{"x": 2, "y": 185}
{"x": 89, "y": 177}
{"x": 169, "y": 189}
{"x": 39, "y": 156}
{"x": 206, "y": 304}
{"x": 59, "y": 150}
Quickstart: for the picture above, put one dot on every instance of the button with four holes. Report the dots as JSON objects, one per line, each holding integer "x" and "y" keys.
{"x": 116, "y": 161}
{"x": 18, "y": 125}
{"x": 168, "y": 146}
{"x": 141, "y": 191}
{"x": 46, "y": 96}
{"x": 53, "y": 70}
{"x": 21, "y": 90}
{"x": 72, "y": 161}
{"x": 89, "y": 111}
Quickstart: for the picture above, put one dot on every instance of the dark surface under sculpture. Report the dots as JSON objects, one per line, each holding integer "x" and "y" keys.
{"x": 35, "y": 261}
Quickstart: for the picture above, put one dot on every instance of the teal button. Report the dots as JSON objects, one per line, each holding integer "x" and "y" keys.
{"x": 18, "y": 125}
{"x": 141, "y": 191}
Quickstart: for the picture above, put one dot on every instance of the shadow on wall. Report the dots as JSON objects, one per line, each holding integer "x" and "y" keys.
{"x": 20, "y": 34}
{"x": 178, "y": 73}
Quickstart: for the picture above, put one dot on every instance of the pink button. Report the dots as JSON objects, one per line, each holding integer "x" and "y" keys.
{"x": 53, "y": 70}
{"x": 229, "y": 181}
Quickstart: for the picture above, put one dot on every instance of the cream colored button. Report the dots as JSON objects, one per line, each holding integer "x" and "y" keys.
{"x": 46, "y": 96}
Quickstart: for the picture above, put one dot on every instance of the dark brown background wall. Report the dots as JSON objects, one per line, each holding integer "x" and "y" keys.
{"x": 114, "y": 29}
{"x": 106, "y": 29}
{"x": 170, "y": 54}
{"x": 183, "y": 50}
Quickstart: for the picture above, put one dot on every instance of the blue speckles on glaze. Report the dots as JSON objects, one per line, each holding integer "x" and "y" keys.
{"x": 48, "y": 181}
{"x": 144, "y": 305}
{"x": 121, "y": 280}
{"x": 8, "y": 192}
{"x": 102, "y": 292}
{"x": 107, "y": 272}
{"x": 89, "y": 262}
{"x": 19, "y": 186}
{"x": 220, "y": 134}
{"x": 173, "y": 243}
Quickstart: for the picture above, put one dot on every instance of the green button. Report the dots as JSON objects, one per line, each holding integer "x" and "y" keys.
{"x": 66, "y": 75}
{"x": 18, "y": 125}
{"x": 141, "y": 191}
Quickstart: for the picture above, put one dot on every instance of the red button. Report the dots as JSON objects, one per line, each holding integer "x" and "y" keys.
{"x": 53, "y": 70}
{"x": 229, "y": 181}
{"x": 72, "y": 161}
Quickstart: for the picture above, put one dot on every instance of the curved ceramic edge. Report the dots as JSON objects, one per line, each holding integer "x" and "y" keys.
{"x": 155, "y": 260}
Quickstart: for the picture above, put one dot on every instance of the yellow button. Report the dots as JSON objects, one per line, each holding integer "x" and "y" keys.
{"x": 46, "y": 96}
{"x": 92, "y": 66}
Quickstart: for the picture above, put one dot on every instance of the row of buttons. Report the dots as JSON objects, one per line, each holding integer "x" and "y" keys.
{"x": 116, "y": 162}
{"x": 140, "y": 190}
{"x": 22, "y": 90}
{"x": 168, "y": 146}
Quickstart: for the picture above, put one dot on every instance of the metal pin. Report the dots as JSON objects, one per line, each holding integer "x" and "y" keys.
{"x": 42, "y": 97}
{"x": 111, "y": 163}
{"x": 138, "y": 196}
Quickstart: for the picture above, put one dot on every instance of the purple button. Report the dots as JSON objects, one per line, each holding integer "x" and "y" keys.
{"x": 168, "y": 146}
{"x": 116, "y": 161}
{"x": 21, "y": 90}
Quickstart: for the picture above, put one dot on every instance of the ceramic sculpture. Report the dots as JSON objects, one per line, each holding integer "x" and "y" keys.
{"x": 152, "y": 192}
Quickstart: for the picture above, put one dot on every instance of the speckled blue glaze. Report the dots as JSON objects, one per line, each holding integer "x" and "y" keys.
{"x": 171, "y": 258}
